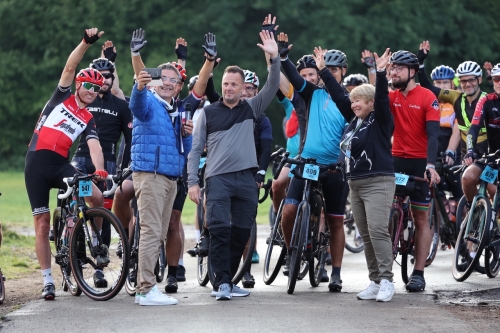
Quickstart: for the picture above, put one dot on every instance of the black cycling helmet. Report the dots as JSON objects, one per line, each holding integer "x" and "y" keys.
{"x": 192, "y": 81}
{"x": 335, "y": 58}
{"x": 355, "y": 80}
{"x": 306, "y": 62}
{"x": 405, "y": 58}
{"x": 103, "y": 64}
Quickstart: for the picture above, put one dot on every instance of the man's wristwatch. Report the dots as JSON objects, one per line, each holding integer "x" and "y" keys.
{"x": 262, "y": 172}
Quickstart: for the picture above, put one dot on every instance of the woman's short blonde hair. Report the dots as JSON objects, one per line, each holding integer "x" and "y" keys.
{"x": 364, "y": 91}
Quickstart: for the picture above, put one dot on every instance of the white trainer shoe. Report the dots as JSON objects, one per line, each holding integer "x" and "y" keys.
{"x": 370, "y": 292}
{"x": 386, "y": 291}
{"x": 156, "y": 297}
{"x": 137, "y": 298}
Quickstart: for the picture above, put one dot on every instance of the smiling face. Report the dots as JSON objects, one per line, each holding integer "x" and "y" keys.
{"x": 171, "y": 82}
{"x": 85, "y": 96}
{"x": 108, "y": 81}
{"x": 470, "y": 84}
{"x": 232, "y": 86}
{"x": 310, "y": 75}
{"x": 362, "y": 98}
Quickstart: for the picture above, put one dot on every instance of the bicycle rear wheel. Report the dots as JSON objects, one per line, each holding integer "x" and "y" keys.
{"x": 394, "y": 217}
{"x": 131, "y": 280}
{"x": 2, "y": 287}
{"x": 471, "y": 240}
{"x": 408, "y": 252}
{"x": 88, "y": 254}
{"x": 276, "y": 250}
{"x": 320, "y": 246}
{"x": 353, "y": 241}
{"x": 160, "y": 264}
{"x": 434, "y": 222}
{"x": 62, "y": 256}
{"x": 297, "y": 244}
{"x": 202, "y": 271}
{"x": 492, "y": 252}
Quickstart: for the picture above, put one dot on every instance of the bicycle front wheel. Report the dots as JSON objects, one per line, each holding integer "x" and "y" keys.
{"x": 408, "y": 252}
{"x": 492, "y": 252}
{"x": 394, "y": 217}
{"x": 471, "y": 239}
{"x": 317, "y": 262}
{"x": 434, "y": 221}
{"x": 160, "y": 264}
{"x": 297, "y": 244}
{"x": 89, "y": 255}
{"x": 276, "y": 251}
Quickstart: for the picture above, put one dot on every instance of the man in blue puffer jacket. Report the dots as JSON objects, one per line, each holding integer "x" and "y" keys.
{"x": 160, "y": 144}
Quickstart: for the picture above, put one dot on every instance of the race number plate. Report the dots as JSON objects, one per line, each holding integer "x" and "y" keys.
{"x": 311, "y": 172}
{"x": 85, "y": 188}
{"x": 401, "y": 179}
{"x": 489, "y": 174}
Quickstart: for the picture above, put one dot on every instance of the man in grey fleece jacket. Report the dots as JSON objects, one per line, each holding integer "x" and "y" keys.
{"x": 226, "y": 129}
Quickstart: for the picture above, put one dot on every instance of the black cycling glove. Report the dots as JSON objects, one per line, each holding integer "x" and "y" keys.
{"x": 283, "y": 49}
{"x": 137, "y": 42}
{"x": 210, "y": 46}
{"x": 90, "y": 39}
{"x": 421, "y": 55}
{"x": 182, "y": 52}
{"x": 269, "y": 27}
{"x": 259, "y": 179}
{"x": 109, "y": 53}
{"x": 369, "y": 62}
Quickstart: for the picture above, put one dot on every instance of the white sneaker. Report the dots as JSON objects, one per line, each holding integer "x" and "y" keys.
{"x": 239, "y": 292}
{"x": 138, "y": 298}
{"x": 386, "y": 292}
{"x": 156, "y": 297}
{"x": 370, "y": 292}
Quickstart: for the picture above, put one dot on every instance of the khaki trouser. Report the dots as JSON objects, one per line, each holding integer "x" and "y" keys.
{"x": 155, "y": 197}
{"x": 371, "y": 200}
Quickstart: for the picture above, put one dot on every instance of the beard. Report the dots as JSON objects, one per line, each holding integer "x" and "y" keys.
{"x": 398, "y": 84}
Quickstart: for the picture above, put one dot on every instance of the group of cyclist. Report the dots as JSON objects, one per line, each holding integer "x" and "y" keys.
{"x": 374, "y": 126}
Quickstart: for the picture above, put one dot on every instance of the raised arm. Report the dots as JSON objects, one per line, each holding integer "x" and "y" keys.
{"x": 136, "y": 44}
{"x": 109, "y": 52}
{"x": 181, "y": 51}
{"x": 260, "y": 102}
{"x": 90, "y": 36}
{"x": 210, "y": 48}
{"x": 369, "y": 61}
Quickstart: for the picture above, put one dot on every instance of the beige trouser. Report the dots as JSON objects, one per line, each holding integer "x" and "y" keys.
{"x": 155, "y": 197}
{"x": 371, "y": 200}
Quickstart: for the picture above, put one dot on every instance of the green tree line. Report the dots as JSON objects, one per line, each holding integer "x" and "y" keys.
{"x": 37, "y": 37}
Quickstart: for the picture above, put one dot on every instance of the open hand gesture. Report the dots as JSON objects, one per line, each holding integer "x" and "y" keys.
{"x": 181, "y": 48}
{"x": 268, "y": 43}
{"x": 383, "y": 60}
{"x": 269, "y": 24}
{"x": 283, "y": 46}
{"x": 367, "y": 59}
{"x": 423, "y": 51}
{"x": 319, "y": 57}
{"x": 108, "y": 51}
{"x": 210, "y": 45}
{"x": 138, "y": 41}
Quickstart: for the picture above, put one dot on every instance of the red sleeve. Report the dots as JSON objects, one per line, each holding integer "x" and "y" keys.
{"x": 431, "y": 105}
{"x": 292, "y": 125}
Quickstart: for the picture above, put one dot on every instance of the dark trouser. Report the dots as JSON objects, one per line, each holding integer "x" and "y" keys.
{"x": 230, "y": 214}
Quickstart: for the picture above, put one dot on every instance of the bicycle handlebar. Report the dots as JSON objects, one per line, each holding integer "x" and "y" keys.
{"x": 267, "y": 189}
{"x": 71, "y": 181}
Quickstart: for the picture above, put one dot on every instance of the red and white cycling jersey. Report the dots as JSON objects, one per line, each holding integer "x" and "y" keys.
{"x": 60, "y": 124}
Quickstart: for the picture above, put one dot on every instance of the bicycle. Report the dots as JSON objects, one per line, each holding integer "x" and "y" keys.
{"x": 80, "y": 250}
{"x": 2, "y": 278}
{"x": 353, "y": 241}
{"x": 479, "y": 230}
{"x": 401, "y": 228}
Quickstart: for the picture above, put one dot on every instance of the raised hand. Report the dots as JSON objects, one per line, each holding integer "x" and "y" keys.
{"x": 108, "y": 51}
{"x": 138, "y": 41}
{"x": 268, "y": 43}
{"x": 210, "y": 45}
{"x": 269, "y": 24}
{"x": 181, "y": 48}
{"x": 90, "y": 36}
{"x": 383, "y": 60}
{"x": 319, "y": 57}
{"x": 367, "y": 59}
{"x": 423, "y": 51}
{"x": 283, "y": 46}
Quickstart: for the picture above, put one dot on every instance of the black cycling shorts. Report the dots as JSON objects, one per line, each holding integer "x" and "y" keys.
{"x": 420, "y": 198}
{"x": 180, "y": 198}
{"x": 335, "y": 192}
{"x": 43, "y": 171}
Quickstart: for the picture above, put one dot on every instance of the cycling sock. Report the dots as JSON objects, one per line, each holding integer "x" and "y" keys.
{"x": 197, "y": 235}
{"x": 47, "y": 276}
{"x": 335, "y": 270}
{"x": 416, "y": 272}
{"x": 172, "y": 271}
{"x": 181, "y": 262}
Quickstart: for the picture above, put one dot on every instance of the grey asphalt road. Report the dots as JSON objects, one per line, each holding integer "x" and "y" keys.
{"x": 268, "y": 308}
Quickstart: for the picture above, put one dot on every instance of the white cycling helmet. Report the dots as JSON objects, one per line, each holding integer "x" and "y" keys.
{"x": 495, "y": 71}
{"x": 251, "y": 77}
{"x": 469, "y": 68}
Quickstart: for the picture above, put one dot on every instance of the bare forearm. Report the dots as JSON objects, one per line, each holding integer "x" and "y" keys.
{"x": 74, "y": 59}
{"x": 137, "y": 64}
{"x": 201, "y": 84}
{"x": 96, "y": 154}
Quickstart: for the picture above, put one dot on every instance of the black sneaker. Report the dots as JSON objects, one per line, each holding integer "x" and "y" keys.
{"x": 248, "y": 281}
{"x": 119, "y": 250}
{"x": 335, "y": 283}
{"x": 416, "y": 283}
{"x": 203, "y": 246}
{"x": 192, "y": 252}
{"x": 49, "y": 292}
{"x": 324, "y": 275}
{"x": 181, "y": 273}
{"x": 99, "y": 280}
{"x": 132, "y": 276}
{"x": 171, "y": 286}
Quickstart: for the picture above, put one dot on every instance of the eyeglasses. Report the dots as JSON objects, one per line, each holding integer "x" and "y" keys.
{"x": 397, "y": 69}
{"x": 250, "y": 89}
{"x": 169, "y": 79}
{"x": 91, "y": 87}
{"x": 333, "y": 70}
{"x": 107, "y": 75}
{"x": 471, "y": 81}
{"x": 496, "y": 79}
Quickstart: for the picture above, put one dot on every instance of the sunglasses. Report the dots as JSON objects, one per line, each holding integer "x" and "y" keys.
{"x": 496, "y": 79}
{"x": 91, "y": 87}
{"x": 107, "y": 75}
{"x": 471, "y": 81}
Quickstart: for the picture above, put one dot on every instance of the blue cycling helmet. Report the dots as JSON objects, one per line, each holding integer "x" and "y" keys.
{"x": 443, "y": 73}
